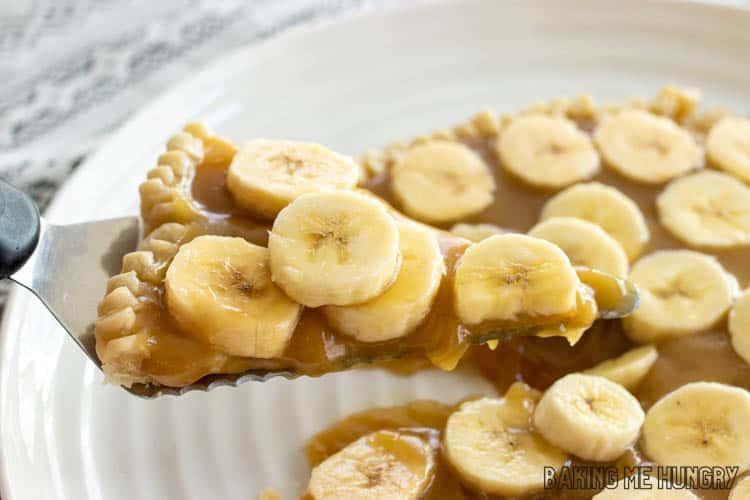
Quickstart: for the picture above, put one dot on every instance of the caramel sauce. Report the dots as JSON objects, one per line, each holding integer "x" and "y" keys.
{"x": 172, "y": 354}
{"x": 315, "y": 348}
{"x": 423, "y": 418}
{"x": 428, "y": 419}
{"x": 538, "y": 361}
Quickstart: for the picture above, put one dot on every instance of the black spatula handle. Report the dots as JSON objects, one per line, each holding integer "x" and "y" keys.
{"x": 19, "y": 229}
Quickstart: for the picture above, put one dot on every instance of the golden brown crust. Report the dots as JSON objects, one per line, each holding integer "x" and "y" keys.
{"x": 166, "y": 207}
{"x": 165, "y": 194}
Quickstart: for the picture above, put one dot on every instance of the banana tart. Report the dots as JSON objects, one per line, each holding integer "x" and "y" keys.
{"x": 514, "y": 231}
{"x": 652, "y": 190}
{"x": 276, "y": 258}
{"x": 512, "y": 244}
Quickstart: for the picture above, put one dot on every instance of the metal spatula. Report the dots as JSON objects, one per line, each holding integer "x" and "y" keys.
{"x": 66, "y": 267}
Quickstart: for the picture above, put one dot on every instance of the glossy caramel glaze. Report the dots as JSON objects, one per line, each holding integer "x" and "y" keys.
{"x": 704, "y": 356}
{"x": 315, "y": 348}
{"x": 428, "y": 419}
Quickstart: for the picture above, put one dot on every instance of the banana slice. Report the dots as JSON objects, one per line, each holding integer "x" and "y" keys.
{"x": 605, "y": 206}
{"x": 477, "y": 232}
{"x": 647, "y": 148}
{"x": 628, "y": 369}
{"x": 707, "y": 209}
{"x": 384, "y": 465}
{"x": 219, "y": 290}
{"x": 589, "y": 416}
{"x": 739, "y": 326}
{"x": 741, "y": 490}
{"x": 398, "y": 310}
{"x": 682, "y": 292}
{"x": 334, "y": 248}
{"x": 547, "y": 152}
{"x": 645, "y": 488}
{"x": 265, "y": 176}
{"x": 728, "y": 146}
{"x": 442, "y": 181}
{"x": 585, "y": 244}
{"x": 513, "y": 275}
{"x": 491, "y": 444}
{"x": 700, "y": 424}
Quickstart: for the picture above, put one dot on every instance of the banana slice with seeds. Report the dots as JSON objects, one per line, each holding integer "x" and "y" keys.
{"x": 219, "y": 289}
{"x": 491, "y": 444}
{"x": 707, "y": 209}
{"x": 441, "y": 181}
{"x": 265, "y": 176}
{"x": 628, "y": 369}
{"x": 334, "y": 248}
{"x": 647, "y": 148}
{"x": 605, "y": 206}
{"x": 645, "y": 488}
{"x": 700, "y": 424}
{"x": 477, "y": 232}
{"x": 589, "y": 416}
{"x": 728, "y": 146}
{"x": 399, "y": 309}
{"x": 547, "y": 152}
{"x": 739, "y": 326}
{"x": 509, "y": 276}
{"x": 585, "y": 244}
{"x": 682, "y": 292}
{"x": 385, "y": 465}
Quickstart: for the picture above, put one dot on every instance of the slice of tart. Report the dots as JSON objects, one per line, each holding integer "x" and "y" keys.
{"x": 281, "y": 257}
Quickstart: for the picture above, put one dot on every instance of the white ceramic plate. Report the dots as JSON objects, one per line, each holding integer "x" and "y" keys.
{"x": 352, "y": 85}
